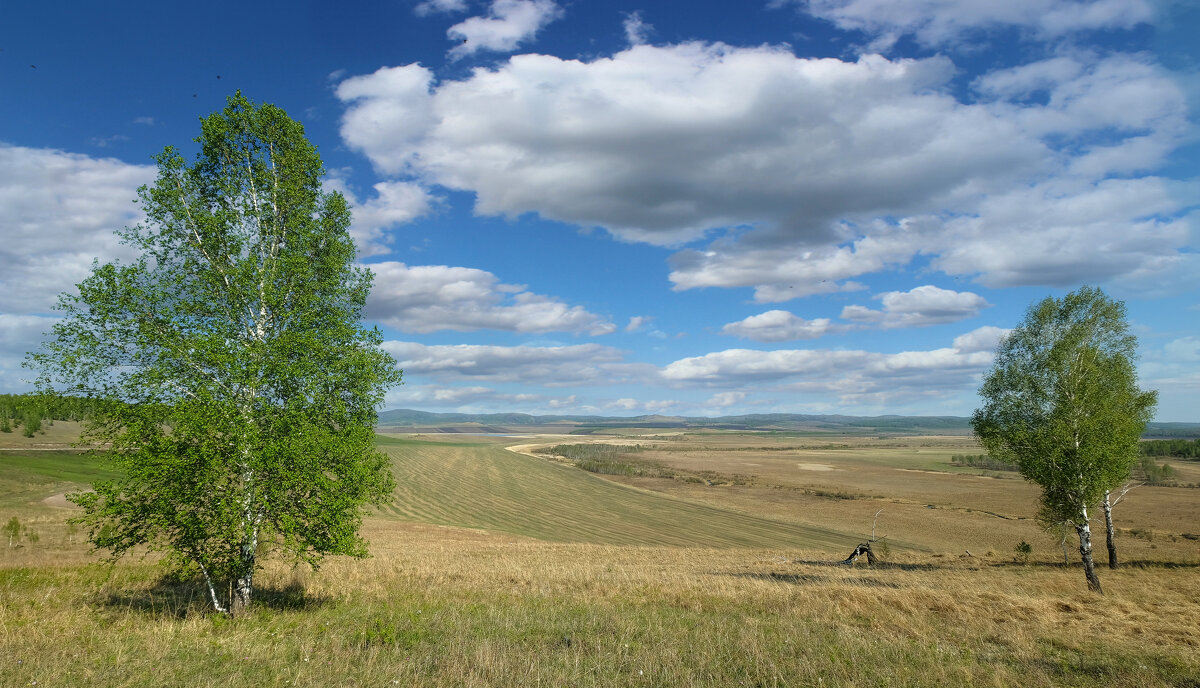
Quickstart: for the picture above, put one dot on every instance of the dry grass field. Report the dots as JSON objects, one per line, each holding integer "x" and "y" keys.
{"x": 840, "y": 483}
{"x": 494, "y": 568}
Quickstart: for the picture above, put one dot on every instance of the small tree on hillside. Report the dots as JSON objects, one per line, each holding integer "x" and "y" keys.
{"x": 13, "y": 530}
{"x": 33, "y": 422}
{"x": 1062, "y": 403}
{"x": 227, "y": 368}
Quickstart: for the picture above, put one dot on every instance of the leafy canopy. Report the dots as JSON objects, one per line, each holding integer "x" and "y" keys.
{"x": 234, "y": 381}
{"x": 1062, "y": 401}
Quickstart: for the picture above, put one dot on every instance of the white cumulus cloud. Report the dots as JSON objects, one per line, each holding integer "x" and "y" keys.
{"x": 432, "y": 298}
{"x": 985, "y": 338}
{"x": 58, "y": 212}
{"x": 805, "y": 174}
{"x": 850, "y": 376}
{"x": 664, "y": 144}
{"x": 395, "y": 203}
{"x": 919, "y": 307}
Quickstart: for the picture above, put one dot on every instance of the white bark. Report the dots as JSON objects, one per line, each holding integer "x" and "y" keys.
{"x": 212, "y": 591}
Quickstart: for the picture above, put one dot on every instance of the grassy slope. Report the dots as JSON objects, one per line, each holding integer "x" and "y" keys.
{"x": 27, "y": 477}
{"x": 478, "y": 485}
{"x": 442, "y": 606}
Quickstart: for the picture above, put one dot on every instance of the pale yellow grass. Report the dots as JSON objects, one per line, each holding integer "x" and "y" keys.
{"x": 450, "y": 607}
{"x": 926, "y": 501}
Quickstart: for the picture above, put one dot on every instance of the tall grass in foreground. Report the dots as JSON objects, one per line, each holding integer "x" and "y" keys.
{"x": 446, "y": 607}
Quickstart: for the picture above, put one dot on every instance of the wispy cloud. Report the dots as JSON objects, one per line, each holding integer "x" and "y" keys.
{"x": 637, "y": 31}
{"x": 952, "y": 22}
{"x": 781, "y": 326}
{"x": 509, "y": 24}
{"x": 429, "y": 7}
{"x": 545, "y": 366}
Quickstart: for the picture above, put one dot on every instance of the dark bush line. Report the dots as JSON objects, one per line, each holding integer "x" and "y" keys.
{"x": 1182, "y": 449}
{"x": 982, "y": 461}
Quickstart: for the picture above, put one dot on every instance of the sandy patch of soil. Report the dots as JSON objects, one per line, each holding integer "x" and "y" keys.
{"x": 815, "y": 467}
{"x": 59, "y": 501}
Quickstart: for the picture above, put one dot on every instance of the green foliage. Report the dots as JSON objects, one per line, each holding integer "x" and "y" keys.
{"x": 50, "y": 407}
{"x": 1183, "y": 449}
{"x": 32, "y": 422}
{"x": 1154, "y": 473}
{"x": 982, "y": 461}
{"x": 404, "y": 635}
{"x": 1023, "y": 550}
{"x": 598, "y": 452}
{"x": 13, "y": 530}
{"x": 606, "y": 459}
{"x": 1062, "y": 402}
{"x": 226, "y": 367}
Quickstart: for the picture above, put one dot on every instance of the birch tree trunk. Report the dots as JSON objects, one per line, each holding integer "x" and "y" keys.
{"x": 243, "y": 587}
{"x": 1085, "y": 551}
{"x": 1110, "y": 533}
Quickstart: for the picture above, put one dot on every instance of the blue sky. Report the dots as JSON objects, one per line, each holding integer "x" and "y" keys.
{"x": 685, "y": 208}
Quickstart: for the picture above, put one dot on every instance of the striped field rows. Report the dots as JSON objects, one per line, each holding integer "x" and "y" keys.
{"x": 484, "y": 486}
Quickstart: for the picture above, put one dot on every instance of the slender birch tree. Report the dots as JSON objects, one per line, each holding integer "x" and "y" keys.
{"x": 233, "y": 381}
{"x": 1062, "y": 402}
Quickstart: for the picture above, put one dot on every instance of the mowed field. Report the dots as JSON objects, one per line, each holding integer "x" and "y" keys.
{"x": 479, "y": 484}
{"x": 921, "y": 499}
{"x": 491, "y": 567}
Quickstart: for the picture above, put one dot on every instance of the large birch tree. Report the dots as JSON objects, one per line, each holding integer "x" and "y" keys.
{"x": 235, "y": 385}
{"x": 1062, "y": 402}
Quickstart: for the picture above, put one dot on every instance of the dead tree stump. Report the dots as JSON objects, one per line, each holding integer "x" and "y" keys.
{"x": 864, "y": 548}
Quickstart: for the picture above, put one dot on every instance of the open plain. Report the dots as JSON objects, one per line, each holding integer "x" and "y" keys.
{"x": 713, "y": 562}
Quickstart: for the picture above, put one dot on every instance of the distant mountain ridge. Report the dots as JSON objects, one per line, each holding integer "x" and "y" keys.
{"x": 779, "y": 421}
{"x": 495, "y": 422}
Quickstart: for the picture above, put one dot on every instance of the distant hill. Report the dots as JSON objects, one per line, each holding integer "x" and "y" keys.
{"x": 1165, "y": 431}
{"x": 424, "y": 421}
{"x": 489, "y": 422}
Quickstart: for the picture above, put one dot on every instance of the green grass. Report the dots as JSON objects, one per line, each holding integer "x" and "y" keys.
{"x": 476, "y": 485}
{"x": 30, "y": 476}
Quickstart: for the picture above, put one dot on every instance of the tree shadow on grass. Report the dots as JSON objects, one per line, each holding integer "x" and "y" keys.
{"x": 877, "y": 566}
{"x": 1101, "y": 566}
{"x": 174, "y": 598}
{"x": 810, "y": 579}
